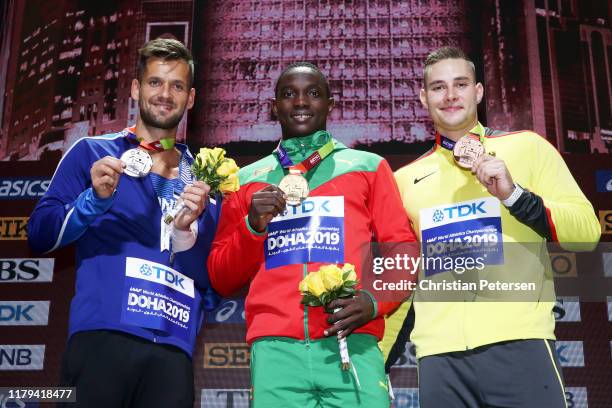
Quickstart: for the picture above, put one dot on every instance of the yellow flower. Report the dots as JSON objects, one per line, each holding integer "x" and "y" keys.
{"x": 212, "y": 156}
{"x": 314, "y": 284}
{"x": 352, "y": 276}
{"x": 230, "y": 184}
{"x": 331, "y": 276}
{"x": 304, "y": 285}
{"x": 227, "y": 167}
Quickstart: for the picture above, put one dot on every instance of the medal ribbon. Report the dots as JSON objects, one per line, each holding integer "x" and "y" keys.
{"x": 477, "y": 132}
{"x": 307, "y": 164}
{"x": 166, "y": 143}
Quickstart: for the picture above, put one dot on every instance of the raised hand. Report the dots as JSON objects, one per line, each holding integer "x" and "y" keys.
{"x": 105, "y": 174}
{"x": 265, "y": 205}
{"x": 194, "y": 198}
{"x": 494, "y": 175}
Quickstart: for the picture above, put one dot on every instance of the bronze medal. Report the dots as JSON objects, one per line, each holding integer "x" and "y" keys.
{"x": 467, "y": 150}
{"x": 295, "y": 187}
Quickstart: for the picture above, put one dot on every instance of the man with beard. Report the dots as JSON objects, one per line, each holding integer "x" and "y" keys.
{"x": 140, "y": 285}
{"x": 280, "y": 237}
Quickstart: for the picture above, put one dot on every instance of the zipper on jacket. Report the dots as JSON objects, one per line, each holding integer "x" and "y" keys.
{"x": 306, "y": 334}
{"x": 465, "y": 316}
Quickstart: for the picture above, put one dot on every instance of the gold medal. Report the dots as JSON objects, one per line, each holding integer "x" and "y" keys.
{"x": 295, "y": 187}
{"x": 467, "y": 149}
{"x": 138, "y": 163}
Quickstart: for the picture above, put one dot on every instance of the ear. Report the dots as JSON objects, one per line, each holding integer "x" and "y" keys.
{"x": 423, "y": 98}
{"x": 479, "y": 92}
{"x": 191, "y": 99}
{"x": 274, "y": 108}
{"x": 332, "y": 103}
{"x": 135, "y": 89}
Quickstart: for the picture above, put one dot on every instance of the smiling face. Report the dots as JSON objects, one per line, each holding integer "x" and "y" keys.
{"x": 302, "y": 102}
{"x": 163, "y": 93}
{"x": 451, "y": 96}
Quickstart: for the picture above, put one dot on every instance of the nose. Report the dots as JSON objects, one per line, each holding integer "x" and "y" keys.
{"x": 165, "y": 90}
{"x": 451, "y": 93}
{"x": 301, "y": 100}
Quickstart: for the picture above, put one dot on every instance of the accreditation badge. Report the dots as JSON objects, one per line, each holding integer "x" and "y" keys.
{"x": 310, "y": 232}
{"x": 468, "y": 229}
{"x": 138, "y": 162}
{"x": 467, "y": 149}
{"x": 295, "y": 187}
{"x": 159, "y": 297}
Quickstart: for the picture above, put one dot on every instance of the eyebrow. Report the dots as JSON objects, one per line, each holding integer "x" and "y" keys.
{"x": 174, "y": 81}
{"x": 308, "y": 88}
{"x": 461, "y": 78}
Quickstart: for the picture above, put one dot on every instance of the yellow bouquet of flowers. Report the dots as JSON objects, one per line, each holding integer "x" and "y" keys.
{"x": 212, "y": 167}
{"x": 329, "y": 283}
{"x": 219, "y": 172}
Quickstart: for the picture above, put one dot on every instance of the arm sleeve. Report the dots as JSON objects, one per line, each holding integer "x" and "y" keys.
{"x": 237, "y": 251}
{"x": 184, "y": 240}
{"x": 571, "y": 217}
{"x": 390, "y": 223}
{"x": 398, "y": 327}
{"x": 529, "y": 209}
{"x": 69, "y": 206}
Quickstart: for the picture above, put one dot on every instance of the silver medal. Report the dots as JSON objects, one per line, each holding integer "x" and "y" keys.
{"x": 295, "y": 187}
{"x": 138, "y": 163}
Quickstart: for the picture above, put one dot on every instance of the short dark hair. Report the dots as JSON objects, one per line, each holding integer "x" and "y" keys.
{"x": 444, "y": 53}
{"x": 302, "y": 64}
{"x": 167, "y": 49}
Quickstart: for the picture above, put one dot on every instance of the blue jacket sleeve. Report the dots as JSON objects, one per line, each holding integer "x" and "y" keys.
{"x": 69, "y": 206}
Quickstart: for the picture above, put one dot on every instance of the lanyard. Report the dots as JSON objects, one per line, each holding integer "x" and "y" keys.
{"x": 166, "y": 143}
{"x": 307, "y": 164}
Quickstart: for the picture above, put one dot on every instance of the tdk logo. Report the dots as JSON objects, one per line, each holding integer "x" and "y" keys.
{"x": 146, "y": 270}
{"x": 23, "y": 188}
{"x": 163, "y": 274}
{"x": 15, "y": 313}
{"x": 309, "y": 206}
{"x": 459, "y": 211}
{"x": 24, "y": 313}
{"x": 438, "y": 216}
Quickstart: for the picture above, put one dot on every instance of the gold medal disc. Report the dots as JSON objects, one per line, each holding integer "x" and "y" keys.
{"x": 295, "y": 187}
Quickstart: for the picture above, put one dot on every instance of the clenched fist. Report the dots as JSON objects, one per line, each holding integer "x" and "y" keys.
{"x": 105, "y": 175}
{"x": 265, "y": 205}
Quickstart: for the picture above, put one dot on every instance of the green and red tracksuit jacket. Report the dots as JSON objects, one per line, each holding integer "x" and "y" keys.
{"x": 357, "y": 185}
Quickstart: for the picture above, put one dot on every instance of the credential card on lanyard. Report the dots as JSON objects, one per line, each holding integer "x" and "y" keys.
{"x": 469, "y": 229}
{"x": 310, "y": 232}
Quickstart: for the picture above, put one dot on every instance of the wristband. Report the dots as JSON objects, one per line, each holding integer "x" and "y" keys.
{"x": 509, "y": 202}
